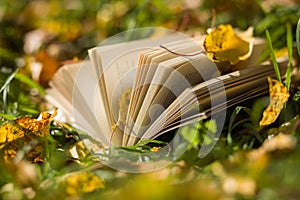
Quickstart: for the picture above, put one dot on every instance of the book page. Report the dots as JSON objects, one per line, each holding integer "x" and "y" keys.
{"x": 87, "y": 101}
{"x": 77, "y": 97}
{"x": 148, "y": 92}
{"x": 115, "y": 67}
{"x": 162, "y": 74}
{"x": 149, "y": 61}
{"x": 147, "y": 87}
{"x": 239, "y": 86}
{"x": 138, "y": 91}
{"x": 60, "y": 86}
{"x": 183, "y": 76}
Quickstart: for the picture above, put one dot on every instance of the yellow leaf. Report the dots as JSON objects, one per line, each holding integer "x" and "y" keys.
{"x": 225, "y": 44}
{"x": 14, "y": 135}
{"x": 8, "y": 133}
{"x": 38, "y": 127}
{"x": 279, "y": 94}
{"x": 155, "y": 149}
{"x": 82, "y": 182}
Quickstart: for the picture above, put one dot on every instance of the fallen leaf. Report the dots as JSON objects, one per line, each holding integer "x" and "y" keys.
{"x": 14, "y": 135}
{"x": 37, "y": 127}
{"x": 279, "y": 95}
{"x": 9, "y": 132}
{"x": 224, "y": 44}
{"x": 49, "y": 67}
{"x": 82, "y": 182}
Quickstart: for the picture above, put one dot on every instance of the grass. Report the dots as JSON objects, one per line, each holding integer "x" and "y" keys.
{"x": 266, "y": 160}
{"x": 298, "y": 37}
{"x": 289, "y": 39}
{"x": 273, "y": 57}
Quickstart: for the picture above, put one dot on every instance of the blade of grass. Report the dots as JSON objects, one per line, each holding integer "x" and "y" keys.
{"x": 4, "y": 89}
{"x": 254, "y": 132}
{"x": 7, "y": 116}
{"x": 30, "y": 83}
{"x": 142, "y": 143}
{"x": 289, "y": 39}
{"x": 298, "y": 37}
{"x": 275, "y": 64}
{"x": 232, "y": 119}
{"x": 8, "y": 80}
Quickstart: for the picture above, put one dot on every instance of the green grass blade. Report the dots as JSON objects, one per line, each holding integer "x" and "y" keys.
{"x": 289, "y": 39}
{"x": 275, "y": 64}
{"x": 7, "y": 116}
{"x": 8, "y": 80}
{"x": 30, "y": 83}
{"x": 298, "y": 37}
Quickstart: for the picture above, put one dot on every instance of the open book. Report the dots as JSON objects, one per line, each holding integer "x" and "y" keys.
{"x": 142, "y": 89}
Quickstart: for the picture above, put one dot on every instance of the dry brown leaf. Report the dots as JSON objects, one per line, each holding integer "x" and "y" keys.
{"x": 14, "y": 135}
{"x": 49, "y": 67}
{"x": 279, "y": 95}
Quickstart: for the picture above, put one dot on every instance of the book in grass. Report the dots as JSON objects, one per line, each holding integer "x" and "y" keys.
{"x": 131, "y": 91}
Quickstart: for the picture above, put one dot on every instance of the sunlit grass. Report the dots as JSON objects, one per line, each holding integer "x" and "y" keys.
{"x": 273, "y": 57}
{"x": 238, "y": 155}
{"x": 289, "y": 39}
{"x": 298, "y": 37}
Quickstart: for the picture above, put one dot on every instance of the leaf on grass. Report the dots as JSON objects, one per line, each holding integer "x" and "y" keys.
{"x": 82, "y": 182}
{"x": 9, "y": 132}
{"x": 16, "y": 134}
{"x": 279, "y": 95}
{"x": 30, "y": 149}
{"x": 35, "y": 126}
{"x": 226, "y": 44}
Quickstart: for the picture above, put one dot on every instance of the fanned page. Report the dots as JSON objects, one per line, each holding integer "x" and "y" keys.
{"x": 152, "y": 75}
{"x": 170, "y": 78}
{"x": 166, "y": 83}
{"x": 115, "y": 68}
{"x": 237, "y": 87}
{"x": 181, "y": 73}
{"x": 74, "y": 88}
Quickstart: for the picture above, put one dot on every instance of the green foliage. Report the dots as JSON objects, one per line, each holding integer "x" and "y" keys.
{"x": 289, "y": 39}
{"x": 16, "y": 99}
{"x": 201, "y": 133}
{"x": 74, "y": 26}
{"x": 144, "y": 146}
{"x": 298, "y": 37}
{"x": 275, "y": 22}
{"x": 275, "y": 64}
{"x": 29, "y": 82}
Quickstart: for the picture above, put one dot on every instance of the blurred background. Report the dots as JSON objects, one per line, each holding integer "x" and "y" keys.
{"x": 64, "y": 29}
{"x": 39, "y": 36}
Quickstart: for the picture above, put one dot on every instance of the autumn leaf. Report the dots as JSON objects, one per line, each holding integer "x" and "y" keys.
{"x": 14, "y": 135}
{"x": 82, "y": 182}
{"x": 49, "y": 67}
{"x": 279, "y": 95}
{"x": 9, "y": 132}
{"x": 226, "y": 44}
{"x": 37, "y": 127}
